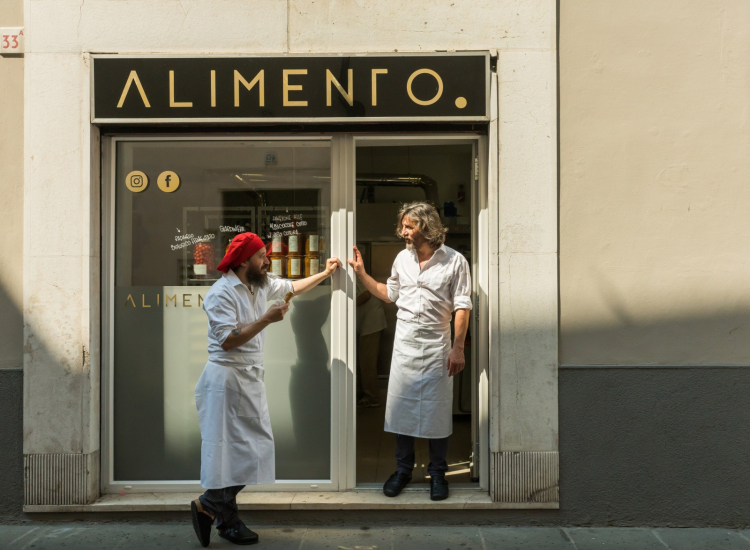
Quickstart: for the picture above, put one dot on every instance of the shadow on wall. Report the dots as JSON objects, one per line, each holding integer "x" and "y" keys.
{"x": 685, "y": 340}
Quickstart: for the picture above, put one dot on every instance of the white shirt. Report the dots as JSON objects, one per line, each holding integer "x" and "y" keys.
{"x": 370, "y": 315}
{"x": 230, "y": 305}
{"x": 430, "y": 295}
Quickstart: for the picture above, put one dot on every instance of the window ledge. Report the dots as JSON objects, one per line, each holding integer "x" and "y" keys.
{"x": 350, "y": 500}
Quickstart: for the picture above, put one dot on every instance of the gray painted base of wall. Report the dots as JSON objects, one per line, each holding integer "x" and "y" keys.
{"x": 11, "y": 444}
{"x": 656, "y": 447}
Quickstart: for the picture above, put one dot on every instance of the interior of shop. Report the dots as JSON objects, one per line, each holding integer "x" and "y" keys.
{"x": 389, "y": 175}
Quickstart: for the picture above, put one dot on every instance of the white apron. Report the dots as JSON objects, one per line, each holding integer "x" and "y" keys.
{"x": 237, "y": 447}
{"x": 420, "y": 392}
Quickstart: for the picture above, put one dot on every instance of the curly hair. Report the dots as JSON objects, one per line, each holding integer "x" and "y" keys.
{"x": 427, "y": 219}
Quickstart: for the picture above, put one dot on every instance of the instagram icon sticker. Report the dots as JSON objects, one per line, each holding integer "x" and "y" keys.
{"x": 136, "y": 181}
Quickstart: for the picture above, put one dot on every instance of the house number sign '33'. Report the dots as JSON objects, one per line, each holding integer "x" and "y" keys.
{"x": 378, "y": 87}
{"x": 11, "y": 40}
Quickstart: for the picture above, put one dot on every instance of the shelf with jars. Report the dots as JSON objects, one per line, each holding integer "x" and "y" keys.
{"x": 298, "y": 237}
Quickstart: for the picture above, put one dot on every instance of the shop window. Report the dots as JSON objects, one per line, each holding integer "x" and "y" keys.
{"x": 177, "y": 205}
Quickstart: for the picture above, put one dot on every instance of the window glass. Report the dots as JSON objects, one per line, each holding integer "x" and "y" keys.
{"x": 177, "y": 206}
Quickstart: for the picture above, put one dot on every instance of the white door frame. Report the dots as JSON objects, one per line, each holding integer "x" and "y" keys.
{"x": 480, "y": 260}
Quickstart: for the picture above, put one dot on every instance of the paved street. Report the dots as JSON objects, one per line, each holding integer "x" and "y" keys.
{"x": 164, "y": 536}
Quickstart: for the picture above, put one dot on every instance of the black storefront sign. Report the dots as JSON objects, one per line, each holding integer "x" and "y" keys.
{"x": 248, "y": 89}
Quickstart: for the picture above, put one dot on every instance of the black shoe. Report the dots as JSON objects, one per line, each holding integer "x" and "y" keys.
{"x": 239, "y": 534}
{"x": 201, "y": 523}
{"x": 438, "y": 488}
{"x": 396, "y": 483}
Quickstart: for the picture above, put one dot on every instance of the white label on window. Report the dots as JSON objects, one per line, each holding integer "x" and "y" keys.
{"x": 295, "y": 267}
{"x": 276, "y": 266}
{"x": 293, "y": 243}
{"x": 276, "y": 245}
{"x": 313, "y": 243}
{"x": 199, "y": 269}
{"x": 314, "y": 266}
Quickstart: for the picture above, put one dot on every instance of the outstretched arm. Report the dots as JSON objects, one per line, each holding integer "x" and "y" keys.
{"x": 379, "y": 290}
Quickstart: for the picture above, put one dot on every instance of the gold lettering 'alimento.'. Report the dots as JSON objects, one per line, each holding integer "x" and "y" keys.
{"x": 292, "y": 87}
{"x": 133, "y": 78}
{"x": 260, "y": 80}
{"x": 172, "y": 102}
{"x": 414, "y": 75}
{"x": 348, "y": 94}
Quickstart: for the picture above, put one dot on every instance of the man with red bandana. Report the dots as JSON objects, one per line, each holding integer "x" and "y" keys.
{"x": 237, "y": 447}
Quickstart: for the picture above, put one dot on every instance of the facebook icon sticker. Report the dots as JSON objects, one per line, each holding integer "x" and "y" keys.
{"x": 168, "y": 181}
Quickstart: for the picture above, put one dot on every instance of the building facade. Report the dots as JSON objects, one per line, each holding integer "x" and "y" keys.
{"x": 596, "y": 191}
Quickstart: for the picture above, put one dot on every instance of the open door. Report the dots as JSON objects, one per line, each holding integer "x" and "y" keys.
{"x": 389, "y": 172}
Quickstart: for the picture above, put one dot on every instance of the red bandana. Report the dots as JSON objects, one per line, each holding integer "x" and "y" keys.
{"x": 243, "y": 246}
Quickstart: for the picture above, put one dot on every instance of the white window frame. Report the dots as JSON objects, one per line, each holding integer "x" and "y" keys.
{"x": 343, "y": 337}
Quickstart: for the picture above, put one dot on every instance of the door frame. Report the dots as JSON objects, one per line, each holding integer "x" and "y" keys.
{"x": 480, "y": 315}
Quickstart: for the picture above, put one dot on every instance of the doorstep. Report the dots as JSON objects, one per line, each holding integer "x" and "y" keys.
{"x": 460, "y": 499}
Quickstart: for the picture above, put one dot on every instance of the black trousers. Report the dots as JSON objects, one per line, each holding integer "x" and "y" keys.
{"x": 405, "y": 455}
{"x": 223, "y": 504}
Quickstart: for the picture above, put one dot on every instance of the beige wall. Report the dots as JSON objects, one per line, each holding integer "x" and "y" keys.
{"x": 11, "y": 196}
{"x": 655, "y": 182}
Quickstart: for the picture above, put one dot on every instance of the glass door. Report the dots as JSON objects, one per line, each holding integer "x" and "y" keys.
{"x": 174, "y": 206}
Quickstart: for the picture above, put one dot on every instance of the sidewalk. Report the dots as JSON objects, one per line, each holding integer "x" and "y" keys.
{"x": 165, "y": 536}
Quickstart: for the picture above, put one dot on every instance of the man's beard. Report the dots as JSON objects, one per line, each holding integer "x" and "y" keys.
{"x": 257, "y": 278}
{"x": 409, "y": 246}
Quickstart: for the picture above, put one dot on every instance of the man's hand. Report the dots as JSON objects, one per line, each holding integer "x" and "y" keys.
{"x": 332, "y": 264}
{"x": 456, "y": 361}
{"x": 276, "y": 312}
{"x": 357, "y": 264}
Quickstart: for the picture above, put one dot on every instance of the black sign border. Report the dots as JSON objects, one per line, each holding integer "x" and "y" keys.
{"x": 288, "y": 120}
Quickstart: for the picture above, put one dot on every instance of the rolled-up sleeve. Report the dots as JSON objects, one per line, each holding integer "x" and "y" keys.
{"x": 393, "y": 285}
{"x": 222, "y": 316}
{"x": 461, "y": 286}
{"x": 278, "y": 287}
